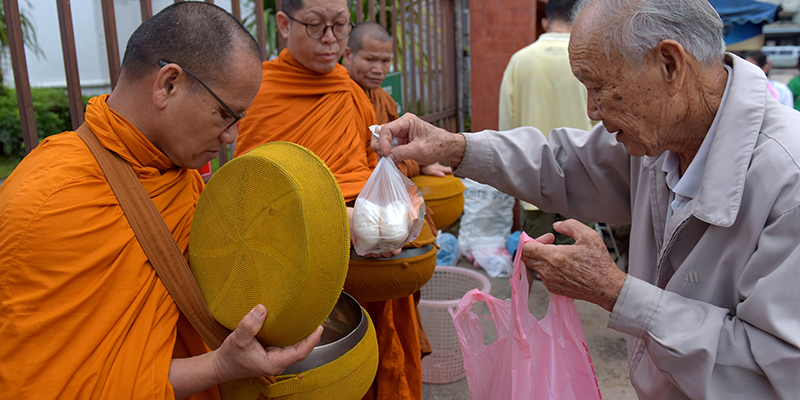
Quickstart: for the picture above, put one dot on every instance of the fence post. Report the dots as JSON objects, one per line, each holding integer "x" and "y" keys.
{"x": 112, "y": 47}
{"x": 70, "y": 63}
{"x": 24, "y": 99}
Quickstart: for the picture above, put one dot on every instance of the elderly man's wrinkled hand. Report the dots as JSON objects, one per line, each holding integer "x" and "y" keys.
{"x": 241, "y": 355}
{"x": 419, "y": 141}
{"x": 582, "y": 271}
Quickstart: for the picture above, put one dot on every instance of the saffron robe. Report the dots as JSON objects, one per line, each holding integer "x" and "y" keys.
{"x": 330, "y": 115}
{"x": 83, "y": 314}
{"x": 384, "y": 105}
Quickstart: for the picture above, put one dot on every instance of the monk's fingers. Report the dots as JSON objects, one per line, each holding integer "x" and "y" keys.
{"x": 277, "y": 359}
{"x": 436, "y": 169}
{"x": 248, "y": 327}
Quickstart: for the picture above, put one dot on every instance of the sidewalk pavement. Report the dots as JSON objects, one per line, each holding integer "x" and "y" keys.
{"x": 607, "y": 347}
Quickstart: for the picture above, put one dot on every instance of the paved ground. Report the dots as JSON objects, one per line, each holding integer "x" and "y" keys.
{"x": 606, "y": 347}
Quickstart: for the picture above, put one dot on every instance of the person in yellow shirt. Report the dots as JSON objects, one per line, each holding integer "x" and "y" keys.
{"x": 83, "y": 314}
{"x": 539, "y": 90}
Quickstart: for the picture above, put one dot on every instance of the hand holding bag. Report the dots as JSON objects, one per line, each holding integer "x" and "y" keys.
{"x": 531, "y": 359}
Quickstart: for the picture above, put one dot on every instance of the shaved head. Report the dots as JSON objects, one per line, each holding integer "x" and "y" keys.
{"x": 291, "y": 6}
{"x": 197, "y": 36}
{"x": 371, "y": 29}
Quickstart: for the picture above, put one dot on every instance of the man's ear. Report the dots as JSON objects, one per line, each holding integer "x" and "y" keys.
{"x": 346, "y": 57}
{"x": 164, "y": 85}
{"x": 545, "y": 24}
{"x": 672, "y": 59}
{"x": 283, "y": 23}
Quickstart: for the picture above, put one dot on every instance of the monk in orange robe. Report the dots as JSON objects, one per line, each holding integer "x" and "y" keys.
{"x": 307, "y": 98}
{"x": 83, "y": 314}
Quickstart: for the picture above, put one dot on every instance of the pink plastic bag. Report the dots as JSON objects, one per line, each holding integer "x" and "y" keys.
{"x": 531, "y": 359}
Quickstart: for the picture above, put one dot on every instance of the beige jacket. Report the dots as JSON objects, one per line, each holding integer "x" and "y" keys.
{"x": 712, "y": 310}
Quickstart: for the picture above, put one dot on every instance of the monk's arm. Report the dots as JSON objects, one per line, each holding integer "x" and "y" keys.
{"x": 409, "y": 168}
{"x": 240, "y": 356}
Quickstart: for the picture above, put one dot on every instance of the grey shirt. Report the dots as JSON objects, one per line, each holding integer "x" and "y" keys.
{"x": 711, "y": 306}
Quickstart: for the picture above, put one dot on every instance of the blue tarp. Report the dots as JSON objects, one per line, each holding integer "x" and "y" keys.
{"x": 744, "y": 11}
{"x": 743, "y": 19}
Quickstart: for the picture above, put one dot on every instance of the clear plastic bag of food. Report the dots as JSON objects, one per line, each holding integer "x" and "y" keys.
{"x": 388, "y": 212}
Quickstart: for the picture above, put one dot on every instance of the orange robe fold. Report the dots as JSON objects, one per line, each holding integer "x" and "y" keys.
{"x": 385, "y": 112}
{"x": 83, "y": 314}
{"x": 330, "y": 115}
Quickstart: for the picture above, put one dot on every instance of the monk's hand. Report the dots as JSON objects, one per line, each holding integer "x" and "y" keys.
{"x": 435, "y": 169}
{"x": 241, "y": 355}
{"x": 582, "y": 271}
{"x": 419, "y": 141}
{"x": 385, "y": 254}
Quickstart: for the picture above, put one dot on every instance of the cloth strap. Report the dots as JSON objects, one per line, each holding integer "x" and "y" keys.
{"x": 155, "y": 238}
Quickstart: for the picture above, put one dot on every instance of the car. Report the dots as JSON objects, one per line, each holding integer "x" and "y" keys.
{"x": 782, "y": 56}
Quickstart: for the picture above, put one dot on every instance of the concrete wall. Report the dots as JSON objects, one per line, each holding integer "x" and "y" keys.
{"x": 497, "y": 31}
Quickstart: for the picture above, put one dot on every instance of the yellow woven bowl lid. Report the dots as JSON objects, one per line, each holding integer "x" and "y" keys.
{"x": 271, "y": 228}
{"x": 438, "y": 187}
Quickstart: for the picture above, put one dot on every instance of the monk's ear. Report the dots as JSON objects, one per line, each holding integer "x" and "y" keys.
{"x": 672, "y": 60}
{"x": 164, "y": 85}
{"x": 283, "y": 23}
{"x": 346, "y": 56}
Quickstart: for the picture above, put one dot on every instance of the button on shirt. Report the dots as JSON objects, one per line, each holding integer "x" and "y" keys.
{"x": 684, "y": 188}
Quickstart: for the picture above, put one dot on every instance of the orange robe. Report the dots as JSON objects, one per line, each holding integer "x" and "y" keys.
{"x": 384, "y": 105}
{"x": 330, "y": 114}
{"x": 83, "y": 314}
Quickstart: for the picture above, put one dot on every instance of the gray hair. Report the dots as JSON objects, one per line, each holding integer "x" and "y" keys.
{"x": 634, "y": 27}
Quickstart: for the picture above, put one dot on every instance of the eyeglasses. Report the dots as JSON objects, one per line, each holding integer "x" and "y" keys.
{"x": 317, "y": 30}
{"x": 231, "y": 114}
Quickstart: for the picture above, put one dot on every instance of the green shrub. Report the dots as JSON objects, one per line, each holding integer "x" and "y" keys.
{"x": 50, "y": 109}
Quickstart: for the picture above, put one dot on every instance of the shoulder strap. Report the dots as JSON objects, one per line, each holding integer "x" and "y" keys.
{"x": 156, "y": 240}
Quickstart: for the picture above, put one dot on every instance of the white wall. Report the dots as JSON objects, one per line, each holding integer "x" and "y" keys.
{"x": 90, "y": 46}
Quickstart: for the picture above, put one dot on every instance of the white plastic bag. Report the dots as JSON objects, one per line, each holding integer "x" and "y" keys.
{"x": 388, "y": 212}
{"x": 485, "y": 227}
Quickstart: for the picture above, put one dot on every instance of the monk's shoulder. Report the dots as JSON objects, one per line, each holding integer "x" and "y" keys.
{"x": 58, "y": 166}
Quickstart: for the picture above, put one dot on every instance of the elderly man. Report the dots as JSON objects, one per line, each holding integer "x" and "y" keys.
{"x": 82, "y": 312}
{"x": 307, "y": 98}
{"x": 703, "y": 166}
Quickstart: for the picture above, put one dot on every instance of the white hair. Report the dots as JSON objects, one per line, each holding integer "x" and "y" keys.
{"x": 634, "y": 27}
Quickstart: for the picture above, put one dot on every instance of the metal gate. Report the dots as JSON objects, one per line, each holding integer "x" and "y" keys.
{"x": 424, "y": 35}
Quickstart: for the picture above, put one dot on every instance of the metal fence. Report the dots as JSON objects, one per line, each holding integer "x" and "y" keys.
{"x": 424, "y": 33}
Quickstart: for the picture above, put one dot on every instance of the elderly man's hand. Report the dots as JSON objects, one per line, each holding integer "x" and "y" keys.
{"x": 582, "y": 271}
{"x": 419, "y": 141}
{"x": 241, "y": 355}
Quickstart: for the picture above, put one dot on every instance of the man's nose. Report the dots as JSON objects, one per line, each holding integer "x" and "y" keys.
{"x": 327, "y": 36}
{"x": 230, "y": 134}
{"x": 592, "y": 111}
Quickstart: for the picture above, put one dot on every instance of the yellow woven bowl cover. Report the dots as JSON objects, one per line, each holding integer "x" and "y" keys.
{"x": 381, "y": 279}
{"x": 346, "y": 378}
{"x": 271, "y": 228}
{"x": 444, "y": 195}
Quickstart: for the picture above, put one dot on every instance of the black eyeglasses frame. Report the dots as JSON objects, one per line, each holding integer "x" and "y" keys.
{"x": 236, "y": 117}
{"x": 324, "y": 30}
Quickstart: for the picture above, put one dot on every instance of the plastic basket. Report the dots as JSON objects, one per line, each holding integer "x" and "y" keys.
{"x": 445, "y": 288}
